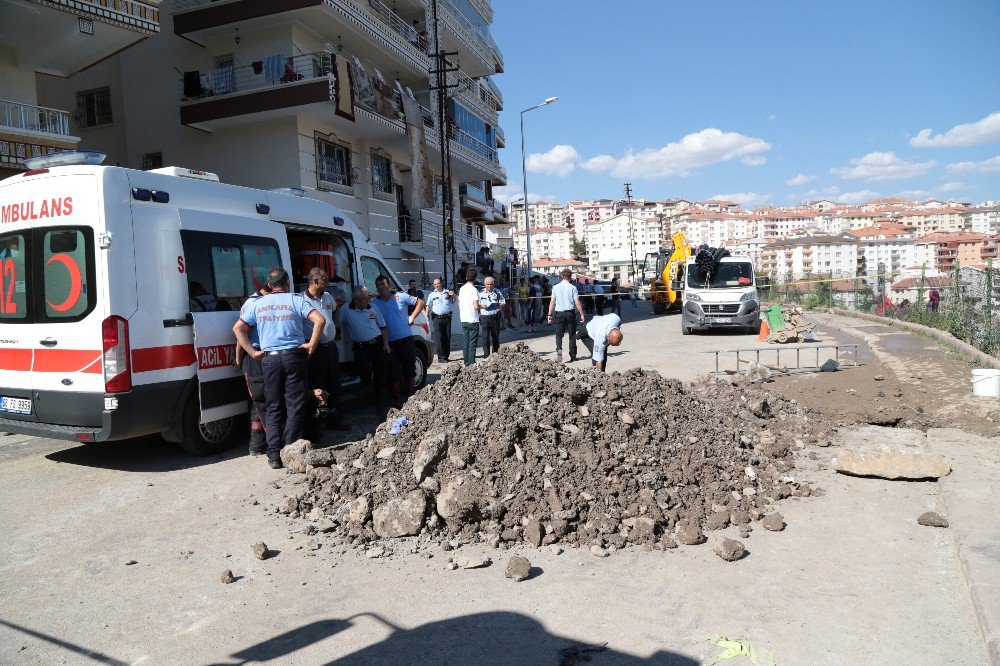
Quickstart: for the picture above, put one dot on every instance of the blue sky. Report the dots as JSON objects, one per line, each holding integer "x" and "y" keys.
{"x": 770, "y": 102}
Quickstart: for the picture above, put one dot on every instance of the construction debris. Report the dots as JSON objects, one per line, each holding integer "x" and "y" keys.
{"x": 227, "y": 577}
{"x": 552, "y": 455}
{"x": 518, "y": 568}
{"x": 891, "y": 462}
{"x": 730, "y": 550}
{"x": 774, "y": 522}
{"x": 931, "y": 519}
{"x": 260, "y": 551}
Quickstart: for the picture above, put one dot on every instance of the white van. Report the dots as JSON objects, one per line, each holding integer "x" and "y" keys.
{"x": 119, "y": 290}
{"x": 726, "y": 298}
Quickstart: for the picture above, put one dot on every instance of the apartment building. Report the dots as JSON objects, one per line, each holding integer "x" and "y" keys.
{"x": 329, "y": 96}
{"x": 943, "y": 251}
{"x": 543, "y": 214}
{"x": 610, "y": 244}
{"x": 985, "y": 219}
{"x": 580, "y": 213}
{"x": 935, "y": 220}
{"x": 891, "y": 246}
{"x": 793, "y": 258}
{"x": 553, "y": 242}
{"x": 89, "y": 31}
{"x": 716, "y": 229}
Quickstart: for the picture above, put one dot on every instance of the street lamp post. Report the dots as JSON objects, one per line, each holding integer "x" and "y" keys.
{"x": 524, "y": 179}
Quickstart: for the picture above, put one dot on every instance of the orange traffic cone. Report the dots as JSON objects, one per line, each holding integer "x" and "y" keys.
{"x": 765, "y": 331}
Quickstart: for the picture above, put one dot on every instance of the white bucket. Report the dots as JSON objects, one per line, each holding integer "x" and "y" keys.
{"x": 986, "y": 382}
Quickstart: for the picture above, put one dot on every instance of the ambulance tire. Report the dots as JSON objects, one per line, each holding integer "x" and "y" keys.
{"x": 210, "y": 438}
{"x": 422, "y": 362}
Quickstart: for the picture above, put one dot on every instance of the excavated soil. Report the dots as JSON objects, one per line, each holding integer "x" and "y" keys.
{"x": 522, "y": 449}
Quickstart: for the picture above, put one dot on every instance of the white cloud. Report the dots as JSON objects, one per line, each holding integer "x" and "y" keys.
{"x": 772, "y": 117}
{"x": 709, "y": 146}
{"x": 800, "y": 179}
{"x": 600, "y": 164}
{"x": 754, "y": 160}
{"x": 952, "y": 187}
{"x": 986, "y": 130}
{"x": 745, "y": 199}
{"x": 857, "y": 197}
{"x": 506, "y": 194}
{"x": 991, "y": 165}
{"x": 915, "y": 194}
{"x": 559, "y": 161}
{"x": 826, "y": 191}
{"x": 882, "y": 166}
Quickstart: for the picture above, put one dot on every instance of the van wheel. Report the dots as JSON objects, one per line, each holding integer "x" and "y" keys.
{"x": 421, "y": 362}
{"x": 685, "y": 329}
{"x": 206, "y": 439}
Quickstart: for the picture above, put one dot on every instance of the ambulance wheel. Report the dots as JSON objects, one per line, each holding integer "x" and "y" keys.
{"x": 206, "y": 439}
{"x": 421, "y": 361}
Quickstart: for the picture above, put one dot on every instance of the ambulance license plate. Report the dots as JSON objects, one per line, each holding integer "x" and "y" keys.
{"x": 15, "y": 405}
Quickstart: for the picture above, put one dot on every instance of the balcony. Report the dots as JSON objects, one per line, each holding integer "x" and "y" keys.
{"x": 501, "y": 140}
{"x": 470, "y": 39}
{"x": 473, "y": 199}
{"x": 29, "y": 131}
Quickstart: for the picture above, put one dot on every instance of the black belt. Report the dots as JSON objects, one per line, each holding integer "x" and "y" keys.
{"x": 279, "y": 352}
{"x": 444, "y": 316}
{"x": 484, "y": 316}
{"x": 368, "y": 343}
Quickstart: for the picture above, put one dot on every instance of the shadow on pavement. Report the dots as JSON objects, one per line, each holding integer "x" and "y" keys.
{"x": 91, "y": 655}
{"x": 142, "y": 454}
{"x": 498, "y": 637}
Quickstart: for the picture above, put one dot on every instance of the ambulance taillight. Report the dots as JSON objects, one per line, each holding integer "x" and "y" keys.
{"x": 117, "y": 368}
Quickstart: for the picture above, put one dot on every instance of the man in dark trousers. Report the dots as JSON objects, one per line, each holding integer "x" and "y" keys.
{"x": 565, "y": 298}
{"x": 284, "y": 353}
{"x": 602, "y": 331}
{"x": 364, "y": 325}
{"x": 416, "y": 293}
{"x": 491, "y": 304}
{"x": 253, "y": 372}
{"x": 324, "y": 365}
{"x": 394, "y": 308}
{"x": 441, "y": 306}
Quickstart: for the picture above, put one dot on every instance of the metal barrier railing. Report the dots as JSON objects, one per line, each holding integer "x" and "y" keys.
{"x": 33, "y": 118}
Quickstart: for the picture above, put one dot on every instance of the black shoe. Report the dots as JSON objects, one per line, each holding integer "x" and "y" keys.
{"x": 274, "y": 462}
{"x": 255, "y": 451}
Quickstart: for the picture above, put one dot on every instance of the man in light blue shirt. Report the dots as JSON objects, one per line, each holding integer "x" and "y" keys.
{"x": 394, "y": 308}
{"x": 565, "y": 298}
{"x": 491, "y": 304}
{"x": 603, "y": 330}
{"x": 284, "y": 354}
{"x": 441, "y": 306}
{"x": 253, "y": 372}
{"x": 364, "y": 325}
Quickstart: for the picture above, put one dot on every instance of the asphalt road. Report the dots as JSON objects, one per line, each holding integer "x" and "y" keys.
{"x": 852, "y": 579}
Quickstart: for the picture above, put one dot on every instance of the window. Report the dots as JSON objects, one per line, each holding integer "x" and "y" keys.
{"x": 152, "y": 161}
{"x": 333, "y": 163}
{"x": 381, "y": 174}
{"x": 224, "y": 269}
{"x": 371, "y": 268}
{"x": 93, "y": 107}
{"x": 46, "y": 275}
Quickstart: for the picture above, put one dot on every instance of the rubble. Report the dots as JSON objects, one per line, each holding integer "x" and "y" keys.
{"x": 773, "y": 522}
{"x": 518, "y": 568}
{"x": 227, "y": 577}
{"x": 260, "y": 551}
{"x": 891, "y": 462}
{"x": 730, "y": 550}
{"x": 558, "y": 456}
{"x": 931, "y": 519}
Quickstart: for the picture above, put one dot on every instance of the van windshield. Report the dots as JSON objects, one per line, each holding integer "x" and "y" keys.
{"x": 726, "y": 276}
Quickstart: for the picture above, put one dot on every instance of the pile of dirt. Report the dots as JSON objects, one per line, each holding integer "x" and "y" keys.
{"x": 521, "y": 449}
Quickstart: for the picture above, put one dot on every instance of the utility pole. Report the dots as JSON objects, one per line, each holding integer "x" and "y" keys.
{"x": 442, "y": 67}
{"x": 631, "y": 228}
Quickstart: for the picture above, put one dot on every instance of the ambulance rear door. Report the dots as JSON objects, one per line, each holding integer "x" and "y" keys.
{"x": 226, "y": 259}
{"x": 53, "y": 299}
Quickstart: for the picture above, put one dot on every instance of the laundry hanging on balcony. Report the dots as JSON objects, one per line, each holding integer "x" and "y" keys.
{"x": 422, "y": 194}
{"x": 343, "y": 88}
{"x": 274, "y": 66}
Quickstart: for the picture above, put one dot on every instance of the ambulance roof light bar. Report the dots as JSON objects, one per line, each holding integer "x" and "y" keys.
{"x": 186, "y": 173}
{"x": 65, "y": 158}
{"x": 292, "y": 191}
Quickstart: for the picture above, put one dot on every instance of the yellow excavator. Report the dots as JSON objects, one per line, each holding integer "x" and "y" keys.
{"x": 664, "y": 269}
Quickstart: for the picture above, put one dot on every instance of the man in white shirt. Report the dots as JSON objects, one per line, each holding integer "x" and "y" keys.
{"x": 468, "y": 311}
{"x": 324, "y": 365}
{"x": 602, "y": 331}
{"x": 565, "y": 298}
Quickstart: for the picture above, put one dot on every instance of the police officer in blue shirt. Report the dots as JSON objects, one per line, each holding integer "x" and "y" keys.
{"x": 491, "y": 304}
{"x": 394, "y": 308}
{"x": 441, "y": 305}
{"x": 284, "y": 353}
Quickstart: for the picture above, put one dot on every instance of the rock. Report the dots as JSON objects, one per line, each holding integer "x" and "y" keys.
{"x": 360, "y": 510}
{"x": 129, "y": 563}
{"x": 533, "y": 532}
{"x": 667, "y": 543}
{"x": 260, "y": 551}
{"x": 643, "y": 531}
{"x": 326, "y": 525}
{"x": 430, "y": 484}
{"x": 690, "y": 535}
{"x": 401, "y": 516}
{"x": 459, "y": 503}
{"x": 293, "y": 455}
{"x": 757, "y": 374}
{"x": 287, "y": 505}
{"x": 518, "y": 453}
{"x": 227, "y": 577}
{"x": 473, "y": 561}
{"x": 931, "y": 519}
{"x": 891, "y": 462}
{"x": 773, "y": 522}
{"x": 830, "y": 365}
{"x": 625, "y": 417}
{"x": 879, "y": 378}
{"x": 386, "y": 453}
{"x": 319, "y": 458}
{"x": 597, "y": 551}
{"x": 429, "y": 452}
{"x": 555, "y": 550}
{"x": 730, "y": 550}
{"x": 584, "y": 411}
{"x": 451, "y": 566}
{"x": 718, "y": 520}
{"x": 424, "y": 406}
{"x": 376, "y": 552}
{"x": 518, "y": 568}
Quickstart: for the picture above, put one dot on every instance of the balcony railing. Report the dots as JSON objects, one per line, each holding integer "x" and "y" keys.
{"x": 470, "y": 191}
{"x": 463, "y": 138}
{"x": 399, "y": 25}
{"x": 486, "y": 42}
{"x": 268, "y": 72}
{"x": 33, "y": 118}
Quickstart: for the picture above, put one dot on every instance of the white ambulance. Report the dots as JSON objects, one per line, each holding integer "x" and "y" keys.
{"x": 119, "y": 290}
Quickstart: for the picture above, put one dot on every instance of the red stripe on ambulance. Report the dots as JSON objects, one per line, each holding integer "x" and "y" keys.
{"x": 149, "y": 359}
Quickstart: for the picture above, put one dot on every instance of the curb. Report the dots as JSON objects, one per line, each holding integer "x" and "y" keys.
{"x": 964, "y": 348}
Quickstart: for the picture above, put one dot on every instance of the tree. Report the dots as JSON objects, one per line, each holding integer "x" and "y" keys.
{"x": 580, "y": 250}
